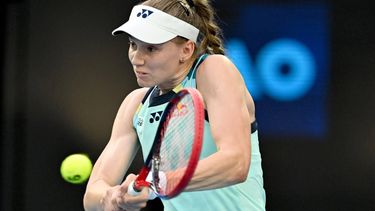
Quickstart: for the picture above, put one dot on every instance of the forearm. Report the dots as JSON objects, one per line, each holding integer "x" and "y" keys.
{"x": 219, "y": 170}
{"x": 94, "y": 194}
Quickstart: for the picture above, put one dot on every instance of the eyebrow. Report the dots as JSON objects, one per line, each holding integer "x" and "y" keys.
{"x": 135, "y": 39}
{"x": 131, "y": 38}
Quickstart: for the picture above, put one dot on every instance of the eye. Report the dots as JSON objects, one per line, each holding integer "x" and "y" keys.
{"x": 151, "y": 48}
{"x": 132, "y": 44}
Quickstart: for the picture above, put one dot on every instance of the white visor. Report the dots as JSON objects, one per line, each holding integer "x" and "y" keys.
{"x": 154, "y": 26}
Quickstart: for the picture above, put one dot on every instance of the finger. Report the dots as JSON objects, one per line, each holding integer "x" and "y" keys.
{"x": 130, "y": 202}
{"x": 137, "y": 206}
{"x": 142, "y": 196}
{"x": 124, "y": 186}
{"x": 145, "y": 191}
{"x": 130, "y": 177}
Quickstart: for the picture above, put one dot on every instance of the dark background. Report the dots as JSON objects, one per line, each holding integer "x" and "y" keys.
{"x": 64, "y": 76}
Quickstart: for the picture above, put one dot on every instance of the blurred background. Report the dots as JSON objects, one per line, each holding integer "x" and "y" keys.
{"x": 308, "y": 64}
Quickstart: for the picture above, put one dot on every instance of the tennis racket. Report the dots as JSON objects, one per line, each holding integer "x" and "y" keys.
{"x": 176, "y": 149}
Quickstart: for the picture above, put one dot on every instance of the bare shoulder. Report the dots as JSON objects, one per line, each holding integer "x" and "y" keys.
{"x": 218, "y": 77}
{"x": 219, "y": 68}
{"x": 137, "y": 95}
{"x": 218, "y": 61}
{"x": 123, "y": 121}
{"x": 133, "y": 99}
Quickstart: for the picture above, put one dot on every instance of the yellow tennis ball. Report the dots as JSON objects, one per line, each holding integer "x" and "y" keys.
{"x": 76, "y": 168}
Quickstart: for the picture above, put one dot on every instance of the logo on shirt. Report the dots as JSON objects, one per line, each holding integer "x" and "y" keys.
{"x": 145, "y": 13}
{"x": 140, "y": 121}
{"x": 155, "y": 117}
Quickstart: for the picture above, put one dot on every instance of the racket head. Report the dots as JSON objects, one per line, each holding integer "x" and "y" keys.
{"x": 181, "y": 142}
{"x": 176, "y": 150}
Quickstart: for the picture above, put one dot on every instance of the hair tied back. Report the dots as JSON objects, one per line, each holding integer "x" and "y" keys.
{"x": 190, "y": 3}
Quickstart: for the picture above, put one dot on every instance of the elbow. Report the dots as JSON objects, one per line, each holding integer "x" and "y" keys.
{"x": 240, "y": 170}
{"x": 88, "y": 202}
{"x": 243, "y": 165}
{"x": 85, "y": 202}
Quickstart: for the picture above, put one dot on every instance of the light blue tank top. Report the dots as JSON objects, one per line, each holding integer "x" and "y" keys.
{"x": 249, "y": 195}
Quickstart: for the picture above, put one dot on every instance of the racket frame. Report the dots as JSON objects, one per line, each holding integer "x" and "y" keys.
{"x": 153, "y": 156}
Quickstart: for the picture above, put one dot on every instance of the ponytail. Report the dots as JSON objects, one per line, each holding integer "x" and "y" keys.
{"x": 211, "y": 40}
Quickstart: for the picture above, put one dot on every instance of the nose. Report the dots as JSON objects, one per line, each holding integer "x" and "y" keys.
{"x": 136, "y": 57}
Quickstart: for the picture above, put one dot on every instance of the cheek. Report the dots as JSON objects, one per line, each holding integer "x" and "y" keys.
{"x": 173, "y": 58}
{"x": 130, "y": 55}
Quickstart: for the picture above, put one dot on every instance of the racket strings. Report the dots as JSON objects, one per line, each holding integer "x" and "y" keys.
{"x": 177, "y": 142}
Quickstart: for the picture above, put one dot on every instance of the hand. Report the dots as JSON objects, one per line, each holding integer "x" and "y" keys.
{"x": 162, "y": 185}
{"x": 117, "y": 199}
{"x": 109, "y": 201}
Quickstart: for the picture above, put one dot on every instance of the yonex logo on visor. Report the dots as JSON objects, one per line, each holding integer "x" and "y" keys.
{"x": 154, "y": 26}
{"x": 145, "y": 13}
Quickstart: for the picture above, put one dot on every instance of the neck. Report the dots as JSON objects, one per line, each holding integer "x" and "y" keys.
{"x": 179, "y": 77}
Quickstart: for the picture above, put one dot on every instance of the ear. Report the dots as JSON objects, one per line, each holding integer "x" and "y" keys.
{"x": 187, "y": 50}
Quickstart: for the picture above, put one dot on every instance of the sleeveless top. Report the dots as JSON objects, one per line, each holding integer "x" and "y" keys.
{"x": 249, "y": 195}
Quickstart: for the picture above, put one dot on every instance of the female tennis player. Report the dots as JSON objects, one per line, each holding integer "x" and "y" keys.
{"x": 175, "y": 44}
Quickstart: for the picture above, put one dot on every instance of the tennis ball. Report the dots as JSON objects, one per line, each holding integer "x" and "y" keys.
{"x": 76, "y": 168}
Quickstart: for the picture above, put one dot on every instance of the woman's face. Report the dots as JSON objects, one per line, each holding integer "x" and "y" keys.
{"x": 156, "y": 64}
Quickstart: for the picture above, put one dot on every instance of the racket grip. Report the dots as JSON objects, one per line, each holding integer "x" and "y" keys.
{"x": 133, "y": 192}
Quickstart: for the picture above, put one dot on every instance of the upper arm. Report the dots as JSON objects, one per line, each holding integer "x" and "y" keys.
{"x": 116, "y": 157}
{"x": 224, "y": 93}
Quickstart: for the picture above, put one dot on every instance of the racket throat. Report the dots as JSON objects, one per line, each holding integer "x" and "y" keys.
{"x": 155, "y": 171}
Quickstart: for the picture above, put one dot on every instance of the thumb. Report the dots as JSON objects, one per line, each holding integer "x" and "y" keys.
{"x": 128, "y": 181}
{"x": 145, "y": 192}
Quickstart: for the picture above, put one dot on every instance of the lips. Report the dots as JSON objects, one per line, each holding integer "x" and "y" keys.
{"x": 140, "y": 74}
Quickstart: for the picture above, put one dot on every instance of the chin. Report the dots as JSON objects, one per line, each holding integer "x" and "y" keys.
{"x": 145, "y": 84}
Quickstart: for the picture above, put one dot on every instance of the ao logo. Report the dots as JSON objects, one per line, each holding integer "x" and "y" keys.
{"x": 267, "y": 75}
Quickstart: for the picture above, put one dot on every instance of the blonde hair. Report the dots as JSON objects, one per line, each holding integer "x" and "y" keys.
{"x": 198, "y": 13}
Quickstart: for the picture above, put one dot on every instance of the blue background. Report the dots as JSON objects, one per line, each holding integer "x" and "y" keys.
{"x": 258, "y": 25}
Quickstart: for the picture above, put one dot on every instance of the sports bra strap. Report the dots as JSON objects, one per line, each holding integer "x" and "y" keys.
{"x": 197, "y": 63}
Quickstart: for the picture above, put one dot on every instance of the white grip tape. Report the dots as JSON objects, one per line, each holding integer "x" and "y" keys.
{"x": 131, "y": 191}
{"x": 151, "y": 195}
